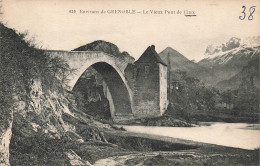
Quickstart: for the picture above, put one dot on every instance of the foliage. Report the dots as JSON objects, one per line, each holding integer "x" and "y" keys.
{"x": 188, "y": 94}
{"x": 190, "y": 100}
{"x": 20, "y": 64}
{"x": 38, "y": 150}
{"x": 246, "y": 100}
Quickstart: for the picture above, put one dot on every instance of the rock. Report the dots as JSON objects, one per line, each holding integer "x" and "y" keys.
{"x": 5, "y": 136}
{"x": 106, "y": 47}
{"x": 74, "y": 159}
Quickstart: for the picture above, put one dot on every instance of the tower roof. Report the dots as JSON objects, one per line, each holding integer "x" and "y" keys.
{"x": 150, "y": 55}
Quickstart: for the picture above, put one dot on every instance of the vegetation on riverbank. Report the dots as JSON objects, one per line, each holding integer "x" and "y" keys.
{"x": 163, "y": 121}
{"x": 192, "y": 101}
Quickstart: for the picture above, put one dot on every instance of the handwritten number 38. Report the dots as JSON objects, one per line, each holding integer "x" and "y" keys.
{"x": 251, "y": 11}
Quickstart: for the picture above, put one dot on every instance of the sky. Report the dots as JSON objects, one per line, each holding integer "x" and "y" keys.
{"x": 54, "y": 27}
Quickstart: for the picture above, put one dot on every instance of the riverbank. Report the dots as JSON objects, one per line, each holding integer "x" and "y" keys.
{"x": 192, "y": 120}
{"x": 173, "y": 151}
{"x": 222, "y": 116}
{"x": 118, "y": 147}
{"x": 238, "y": 135}
{"x": 162, "y": 121}
{"x": 129, "y": 148}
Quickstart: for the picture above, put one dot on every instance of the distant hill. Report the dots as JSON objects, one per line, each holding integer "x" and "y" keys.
{"x": 106, "y": 47}
{"x": 177, "y": 60}
{"x": 180, "y": 62}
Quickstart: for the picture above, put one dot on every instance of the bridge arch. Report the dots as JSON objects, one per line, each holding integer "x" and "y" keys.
{"x": 112, "y": 70}
{"x": 117, "y": 92}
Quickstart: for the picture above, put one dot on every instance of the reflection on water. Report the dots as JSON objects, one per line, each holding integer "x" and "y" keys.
{"x": 241, "y": 135}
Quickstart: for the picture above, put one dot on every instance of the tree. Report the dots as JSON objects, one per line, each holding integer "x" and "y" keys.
{"x": 227, "y": 98}
{"x": 190, "y": 95}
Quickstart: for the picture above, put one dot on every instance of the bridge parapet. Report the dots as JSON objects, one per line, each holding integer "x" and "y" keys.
{"x": 73, "y": 57}
{"x": 77, "y": 55}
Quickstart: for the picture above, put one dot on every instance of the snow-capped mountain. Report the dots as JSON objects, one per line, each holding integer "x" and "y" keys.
{"x": 228, "y": 59}
{"x": 235, "y": 46}
{"x": 212, "y": 50}
{"x": 250, "y": 41}
{"x": 235, "y": 53}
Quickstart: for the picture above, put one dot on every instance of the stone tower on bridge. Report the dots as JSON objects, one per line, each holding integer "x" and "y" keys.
{"x": 134, "y": 91}
{"x": 147, "y": 78}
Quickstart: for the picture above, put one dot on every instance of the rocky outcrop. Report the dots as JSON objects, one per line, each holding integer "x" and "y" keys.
{"x": 106, "y": 47}
{"x": 6, "y": 133}
{"x": 74, "y": 159}
{"x": 231, "y": 44}
{"x": 33, "y": 102}
{"x": 41, "y": 112}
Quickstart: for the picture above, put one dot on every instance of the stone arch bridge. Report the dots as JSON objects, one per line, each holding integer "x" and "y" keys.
{"x": 111, "y": 68}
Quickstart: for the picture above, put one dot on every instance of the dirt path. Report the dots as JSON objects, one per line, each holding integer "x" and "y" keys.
{"x": 120, "y": 160}
{"x": 196, "y": 153}
{"x": 188, "y": 158}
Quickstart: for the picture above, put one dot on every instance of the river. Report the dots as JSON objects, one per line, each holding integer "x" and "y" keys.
{"x": 239, "y": 135}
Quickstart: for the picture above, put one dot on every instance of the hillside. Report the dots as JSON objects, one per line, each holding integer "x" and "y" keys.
{"x": 177, "y": 60}
{"x": 250, "y": 71}
{"x": 40, "y": 123}
{"x": 180, "y": 62}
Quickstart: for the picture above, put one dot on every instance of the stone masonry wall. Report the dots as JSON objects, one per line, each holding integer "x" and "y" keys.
{"x": 146, "y": 90}
{"x": 163, "y": 88}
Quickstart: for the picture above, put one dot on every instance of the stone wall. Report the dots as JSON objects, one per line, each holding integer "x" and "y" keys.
{"x": 163, "y": 88}
{"x": 147, "y": 77}
{"x": 146, "y": 90}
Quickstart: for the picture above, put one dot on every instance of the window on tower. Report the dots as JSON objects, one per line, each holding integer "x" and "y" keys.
{"x": 147, "y": 69}
{"x": 135, "y": 73}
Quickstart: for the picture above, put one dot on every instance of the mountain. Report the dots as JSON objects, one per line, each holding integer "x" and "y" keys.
{"x": 233, "y": 43}
{"x": 180, "y": 62}
{"x": 177, "y": 60}
{"x": 226, "y": 60}
{"x": 106, "y": 47}
{"x": 249, "y": 73}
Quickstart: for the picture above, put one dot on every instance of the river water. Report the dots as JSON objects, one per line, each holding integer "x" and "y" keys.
{"x": 240, "y": 135}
